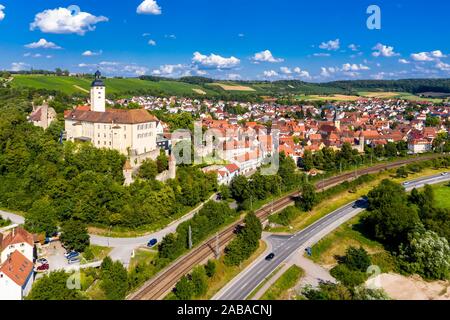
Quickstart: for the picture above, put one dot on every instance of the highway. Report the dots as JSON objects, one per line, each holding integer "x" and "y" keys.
{"x": 240, "y": 287}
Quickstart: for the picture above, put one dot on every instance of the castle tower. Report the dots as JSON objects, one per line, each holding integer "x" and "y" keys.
{"x": 172, "y": 167}
{"x": 98, "y": 94}
{"x": 128, "y": 173}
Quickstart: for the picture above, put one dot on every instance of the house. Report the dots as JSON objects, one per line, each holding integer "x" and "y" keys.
{"x": 17, "y": 239}
{"x": 42, "y": 116}
{"x": 16, "y": 277}
{"x": 419, "y": 145}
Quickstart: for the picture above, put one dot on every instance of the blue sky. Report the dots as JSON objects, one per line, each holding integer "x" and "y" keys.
{"x": 251, "y": 39}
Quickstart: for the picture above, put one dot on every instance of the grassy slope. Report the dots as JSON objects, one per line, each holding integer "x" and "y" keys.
{"x": 67, "y": 84}
{"x": 280, "y": 289}
{"x": 442, "y": 195}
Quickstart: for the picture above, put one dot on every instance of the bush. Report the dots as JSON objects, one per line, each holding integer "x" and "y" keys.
{"x": 184, "y": 289}
{"x": 348, "y": 277}
{"x": 210, "y": 268}
{"x": 285, "y": 217}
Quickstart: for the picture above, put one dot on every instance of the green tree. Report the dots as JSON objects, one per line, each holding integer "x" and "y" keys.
{"x": 148, "y": 170}
{"x": 427, "y": 254}
{"x": 162, "y": 161}
{"x": 184, "y": 289}
{"x": 308, "y": 197}
{"x": 54, "y": 287}
{"x": 199, "y": 281}
{"x": 210, "y": 268}
{"x": 114, "y": 282}
{"x": 74, "y": 235}
{"x": 42, "y": 217}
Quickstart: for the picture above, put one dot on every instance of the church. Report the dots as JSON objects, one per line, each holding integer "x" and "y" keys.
{"x": 131, "y": 132}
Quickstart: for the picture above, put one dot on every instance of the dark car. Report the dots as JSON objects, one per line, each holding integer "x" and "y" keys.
{"x": 270, "y": 257}
{"x": 238, "y": 229}
{"x": 43, "y": 267}
{"x": 72, "y": 255}
{"x": 152, "y": 243}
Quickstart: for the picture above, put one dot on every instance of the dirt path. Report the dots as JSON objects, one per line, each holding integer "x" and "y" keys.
{"x": 399, "y": 287}
{"x": 80, "y": 88}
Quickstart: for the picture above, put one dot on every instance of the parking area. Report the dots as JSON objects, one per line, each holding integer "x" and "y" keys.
{"x": 54, "y": 253}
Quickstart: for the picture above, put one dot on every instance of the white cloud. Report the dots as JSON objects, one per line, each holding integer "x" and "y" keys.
{"x": 152, "y": 42}
{"x": 2, "y": 12}
{"x": 234, "y": 76}
{"x": 19, "y": 66}
{"x": 266, "y": 56}
{"x": 382, "y": 50}
{"x": 327, "y": 72}
{"x": 137, "y": 70}
{"x": 302, "y": 73}
{"x": 354, "y": 67}
{"x": 168, "y": 70}
{"x": 90, "y": 53}
{"x": 353, "y": 47}
{"x": 28, "y": 54}
{"x": 443, "y": 66}
{"x": 42, "y": 44}
{"x": 286, "y": 70}
{"x": 62, "y": 20}
{"x": 270, "y": 74}
{"x": 170, "y": 36}
{"x": 149, "y": 7}
{"x": 214, "y": 61}
{"x": 331, "y": 45}
{"x": 241, "y": 35}
{"x": 321, "y": 54}
{"x": 403, "y": 61}
{"x": 109, "y": 63}
{"x": 201, "y": 72}
{"x": 428, "y": 56}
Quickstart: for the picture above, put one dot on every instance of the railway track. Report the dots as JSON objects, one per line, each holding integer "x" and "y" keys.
{"x": 157, "y": 287}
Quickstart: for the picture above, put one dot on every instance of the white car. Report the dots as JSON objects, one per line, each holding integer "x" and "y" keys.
{"x": 444, "y": 174}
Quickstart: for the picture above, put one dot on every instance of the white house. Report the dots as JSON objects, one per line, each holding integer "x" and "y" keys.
{"x": 16, "y": 277}
{"x": 17, "y": 239}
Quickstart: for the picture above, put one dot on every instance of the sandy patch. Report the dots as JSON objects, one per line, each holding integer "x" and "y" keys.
{"x": 399, "y": 287}
{"x": 80, "y": 88}
{"x": 380, "y": 95}
{"x": 233, "y": 87}
{"x": 199, "y": 91}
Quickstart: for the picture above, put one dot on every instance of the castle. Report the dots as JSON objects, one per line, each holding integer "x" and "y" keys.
{"x": 131, "y": 132}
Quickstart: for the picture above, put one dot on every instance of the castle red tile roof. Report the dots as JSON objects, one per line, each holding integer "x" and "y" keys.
{"x": 120, "y": 116}
{"x": 17, "y": 235}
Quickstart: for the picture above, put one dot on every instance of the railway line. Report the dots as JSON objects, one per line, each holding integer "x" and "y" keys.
{"x": 161, "y": 284}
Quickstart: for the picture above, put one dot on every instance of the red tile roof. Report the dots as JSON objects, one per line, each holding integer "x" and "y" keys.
{"x": 17, "y": 235}
{"x": 17, "y": 267}
{"x": 134, "y": 116}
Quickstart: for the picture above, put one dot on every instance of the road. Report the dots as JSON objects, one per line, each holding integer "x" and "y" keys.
{"x": 240, "y": 287}
{"x": 123, "y": 247}
{"x": 164, "y": 281}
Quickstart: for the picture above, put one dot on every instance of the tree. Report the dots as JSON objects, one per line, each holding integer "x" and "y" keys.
{"x": 308, "y": 160}
{"x": 352, "y": 267}
{"x": 42, "y": 217}
{"x": 162, "y": 161}
{"x": 184, "y": 289}
{"x": 199, "y": 281}
{"x": 210, "y": 268}
{"x": 327, "y": 291}
{"x": 74, "y": 235}
{"x": 426, "y": 254}
{"x": 148, "y": 170}
{"x": 114, "y": 281}
{"x": 54, "y": 287}
{"x": 390, "y": 218}
{"x": 307, "y": 198}
{"x": 402, "y": 173}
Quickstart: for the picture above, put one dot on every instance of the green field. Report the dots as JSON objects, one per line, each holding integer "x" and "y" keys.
{"x": 279, "y": 290}
{"x": 71, "y": 85}
{"x": 442, "y": 196}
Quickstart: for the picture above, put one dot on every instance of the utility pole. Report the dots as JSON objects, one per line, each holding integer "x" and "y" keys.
{"x": 190, "y": 237}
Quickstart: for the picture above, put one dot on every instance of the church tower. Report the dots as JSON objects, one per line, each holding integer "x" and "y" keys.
{"x": 98, "y": 93}
{"x": 337, "y": 122}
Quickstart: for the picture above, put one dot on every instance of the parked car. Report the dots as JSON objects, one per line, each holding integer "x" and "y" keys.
{"x": 72, "y": 255}
{"x": 43, "y": 267}
{"x": 74, "y": 260}
{"x": 444, "y": 174}
{"x": 42, "y": 261}
{"x": 270, "y": 256}
{"x": 152, "y": 243}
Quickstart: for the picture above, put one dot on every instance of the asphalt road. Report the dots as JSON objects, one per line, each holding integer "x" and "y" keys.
{"x": 244, "y": 284}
